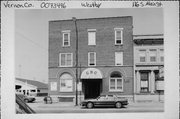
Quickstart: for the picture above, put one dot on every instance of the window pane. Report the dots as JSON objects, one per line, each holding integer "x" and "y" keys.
{"x": 161, "y": 55}
{"x": 66, "y": 83}
{"x": 115, "y": 74}
{"x": 144, "y": 83}
{"x": 118, "y": 35}
{"x": 68, "y": 61}
{"x": 152, "y": 55}
{"x": 112, "y": 83}
{"x": 63, "y": 59}
{"x": 119, "y": 58}
{"x": 66, "y": 39}
{"x": 142, "y": 55}
{"x": 92, "y": 58}
{"x": 119, "y": 83}
{"x": 144, "y": 75}
{"x": 66, "y": 43}
{"x": 91, "y": 38}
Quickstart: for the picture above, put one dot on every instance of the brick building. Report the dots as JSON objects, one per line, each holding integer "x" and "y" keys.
{"x": 100, "y": 62}
{"x": 149, "y": 67}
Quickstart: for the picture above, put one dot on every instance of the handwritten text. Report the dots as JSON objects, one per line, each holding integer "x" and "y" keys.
{"x": 92, "y": 4}
{"x": 18, "y": 5}
{"x": 53, "y": 5}
{"x": 147, "y": 4}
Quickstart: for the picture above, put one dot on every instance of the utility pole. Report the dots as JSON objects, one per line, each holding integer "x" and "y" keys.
{"x": 74, "y": 19}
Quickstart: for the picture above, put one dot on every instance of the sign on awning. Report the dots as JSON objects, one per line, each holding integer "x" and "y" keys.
{"x": 91, "y": 73}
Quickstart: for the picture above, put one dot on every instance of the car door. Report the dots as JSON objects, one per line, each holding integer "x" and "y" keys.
{"x": 101, "y": 101}
{"x": 110, "y": 100}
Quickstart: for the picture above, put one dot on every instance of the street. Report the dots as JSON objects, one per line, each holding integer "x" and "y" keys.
{"x": 68, "y": 107}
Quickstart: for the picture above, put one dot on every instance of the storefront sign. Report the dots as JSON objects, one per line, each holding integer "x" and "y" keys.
{"x": 144, "y": 84}
{"x": 53, "y": 86}
{"x": 91, "y": 73}
{"x": 159, "y": 85}
{"x": 79, "y": 86}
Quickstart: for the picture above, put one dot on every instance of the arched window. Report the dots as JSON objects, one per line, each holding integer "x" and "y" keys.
{"x": 66, "y": 83}
{"x": 116, "y": 81}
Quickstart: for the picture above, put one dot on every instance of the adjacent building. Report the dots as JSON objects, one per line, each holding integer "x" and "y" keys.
{"x": 149, "y": 67}
{"x": 31, "y": 87}
{"x": 89, "y": 57}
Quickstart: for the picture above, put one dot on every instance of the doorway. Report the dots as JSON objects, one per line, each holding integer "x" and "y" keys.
{"x": 92, "y": 88}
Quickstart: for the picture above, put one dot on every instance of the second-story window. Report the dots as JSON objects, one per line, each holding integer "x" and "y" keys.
{"x": 142, "y": 55}
{"x": 91, "y": 59}
{"x": 152, "y": 55}
{"x": 66, "y": 59}
{"x": 118, "y": 58}
{"x": 91, "y": 36}
{"x": 161, "y": 55}
{"x": 66, "y": 38}
{"x": 118, "y": 36}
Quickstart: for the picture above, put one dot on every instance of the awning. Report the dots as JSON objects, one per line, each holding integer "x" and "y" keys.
{"x": 91, "y": 73}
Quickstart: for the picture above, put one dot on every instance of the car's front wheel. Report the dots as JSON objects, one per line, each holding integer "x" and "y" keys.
{"x": 118, "y": 105}
{"x": 89, "y": 105}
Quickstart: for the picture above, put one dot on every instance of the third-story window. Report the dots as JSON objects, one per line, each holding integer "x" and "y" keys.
{"x": 91, "y": 59}
{"x": 161, "y": 55}
{"x": 118, "y": 58}
{"x": 66, "y": 59}
{"x": 152, "y": 55}
{"x": 142, "y": 55}
{"x": 118, "y": 36}
{"x": 66, "y": 38}
{"x": 91, "y": 36}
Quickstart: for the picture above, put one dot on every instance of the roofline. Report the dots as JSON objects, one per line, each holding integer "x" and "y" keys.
{"x": 16, "y": 78}
{"x": 149, "y": 35}
{"x": 90, "y": 18}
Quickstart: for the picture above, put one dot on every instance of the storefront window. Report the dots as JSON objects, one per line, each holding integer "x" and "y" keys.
{"x": 116, "y": 82}
{"x": 66, "y": 81}
{"x": 144, "y": 82}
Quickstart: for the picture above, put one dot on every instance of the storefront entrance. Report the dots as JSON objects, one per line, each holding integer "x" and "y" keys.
{"x": 91, "y": 88}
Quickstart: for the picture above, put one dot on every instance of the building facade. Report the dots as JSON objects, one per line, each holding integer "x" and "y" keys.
{"x": 89, "y": 57}
{"x": 148, "y": 66}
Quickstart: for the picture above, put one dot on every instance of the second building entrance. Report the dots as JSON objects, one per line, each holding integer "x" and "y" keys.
{"x": 92, "y": 88}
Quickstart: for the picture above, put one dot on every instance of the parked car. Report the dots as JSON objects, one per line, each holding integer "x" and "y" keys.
{"x": 105, "y": 100}
{"x": 27, "y": 98}
{"x": 22, "y": 107}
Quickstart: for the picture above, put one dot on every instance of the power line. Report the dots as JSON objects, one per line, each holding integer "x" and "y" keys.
{"x": 27, "y": 39}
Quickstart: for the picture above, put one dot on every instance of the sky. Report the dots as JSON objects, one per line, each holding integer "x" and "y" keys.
{"x": 31, "y": 33}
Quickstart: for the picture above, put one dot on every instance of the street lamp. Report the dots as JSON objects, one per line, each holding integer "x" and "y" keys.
{"x": 74, "y": 19}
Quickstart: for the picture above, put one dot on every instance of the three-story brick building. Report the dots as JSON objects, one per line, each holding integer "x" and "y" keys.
{"x": 101, "y": 61}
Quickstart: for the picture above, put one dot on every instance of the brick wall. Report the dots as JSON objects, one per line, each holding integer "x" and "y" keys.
{"x": 105, "y": 49}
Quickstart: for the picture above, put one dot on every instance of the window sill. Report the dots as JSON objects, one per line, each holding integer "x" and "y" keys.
{"x": 66, "y": 46}
{"x": 118, "y": 65}
{"x": 65, "y": 66}
{"x": 116, "y": 91}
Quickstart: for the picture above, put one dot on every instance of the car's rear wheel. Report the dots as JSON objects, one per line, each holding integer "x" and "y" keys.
{"x": 118, "y": 105}
{"x": 89, "y": 105}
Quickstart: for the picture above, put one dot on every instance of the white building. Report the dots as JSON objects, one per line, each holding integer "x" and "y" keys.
{"x": 148, "y": 67}
{"x": 31, "y": 87}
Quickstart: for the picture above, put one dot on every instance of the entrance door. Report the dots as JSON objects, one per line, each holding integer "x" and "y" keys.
{"x": 92, "y": 88}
